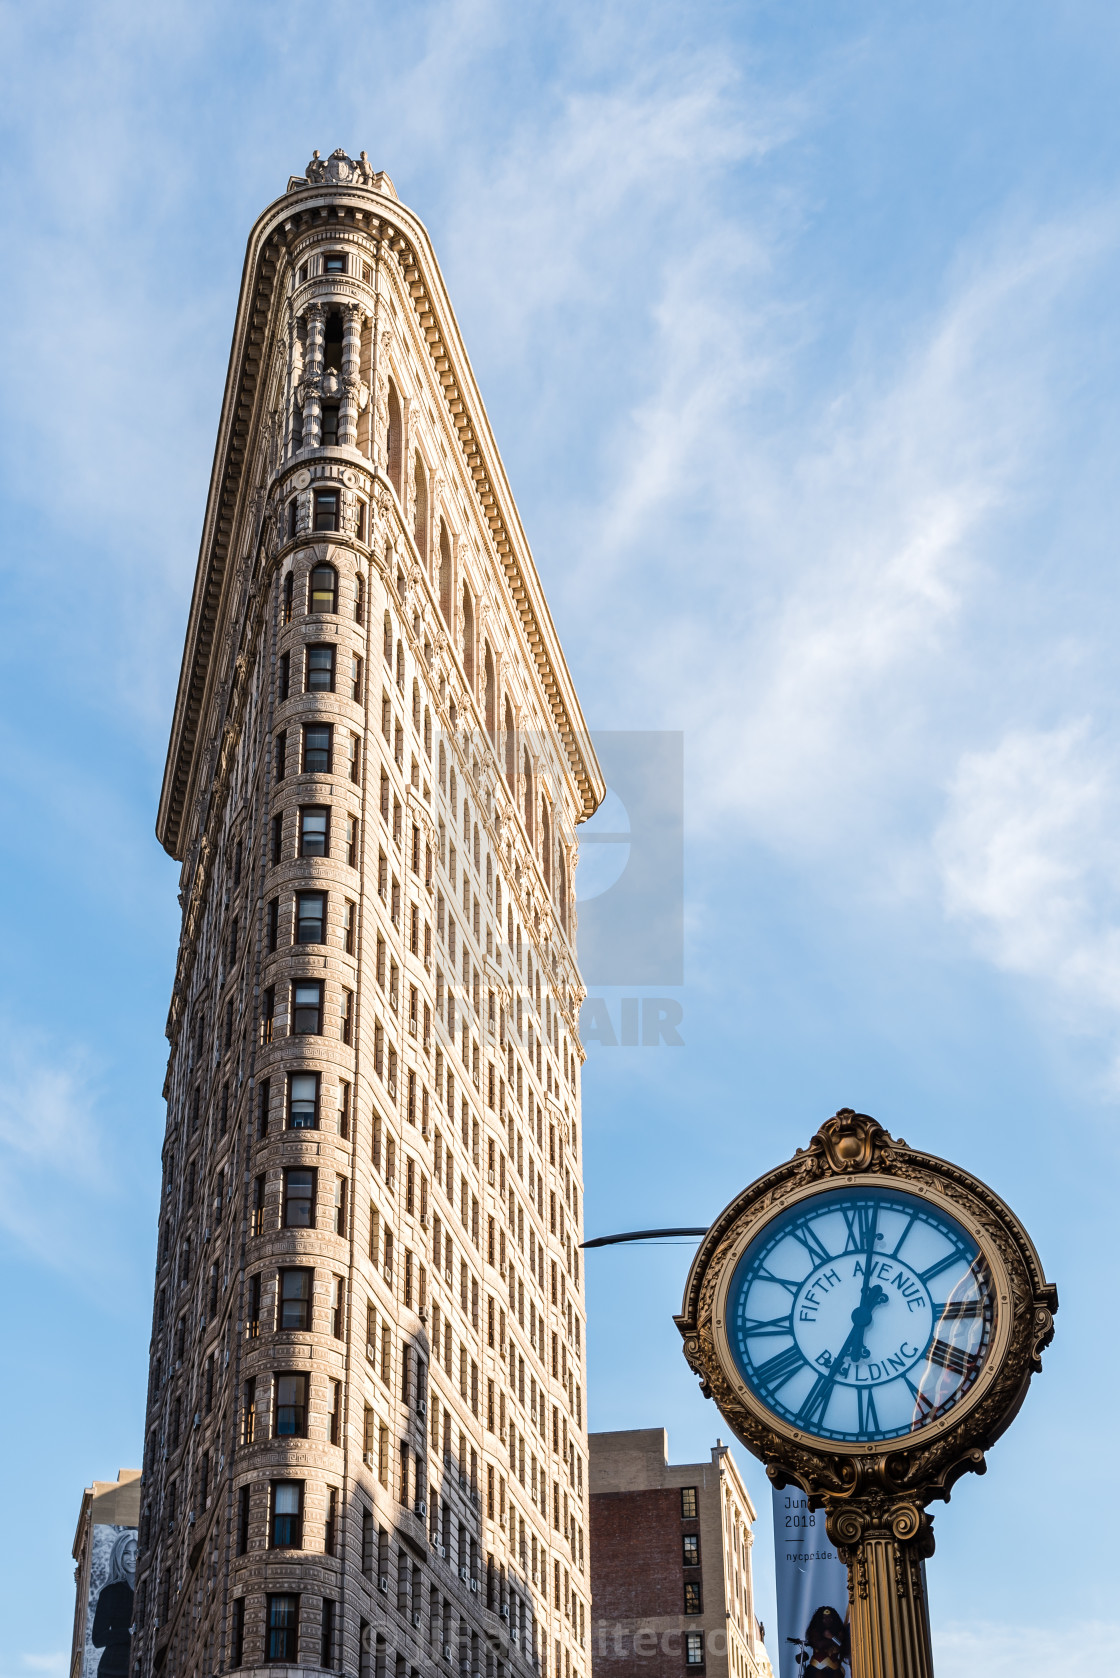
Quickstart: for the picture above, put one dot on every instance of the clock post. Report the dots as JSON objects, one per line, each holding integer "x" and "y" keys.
{"x": 867, "y": 1318}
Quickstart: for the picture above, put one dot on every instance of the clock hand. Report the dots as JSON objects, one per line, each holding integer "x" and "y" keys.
{"x": 865, "y": 1305}
{"x": 872, "y": 1237}
{"x": 819, "y": 1398}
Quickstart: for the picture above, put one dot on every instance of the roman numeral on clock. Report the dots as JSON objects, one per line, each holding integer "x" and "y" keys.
{"x": 868, "y": 1417}
{"x": 959, "y": 1310}
{"x": 782, "y": 1281}
{"x": 942, "y": 1264}
{"x": 952, "y": 1358}
{"x": 812, "y": 1244}
{"x": 910, "y": 1222}
{"x": 859, "y": 1228}
{"x": 813, "y": 1409}
{"x": 753, "y": 1326}
{"x": 925, "y": 1405}
{"x": 776, "y": 1371}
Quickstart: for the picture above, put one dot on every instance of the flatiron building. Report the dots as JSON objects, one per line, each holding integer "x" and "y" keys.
{"x": 366, "y": 1445}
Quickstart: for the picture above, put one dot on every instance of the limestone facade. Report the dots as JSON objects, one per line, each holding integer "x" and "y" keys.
{"x": 366, "y": 1441}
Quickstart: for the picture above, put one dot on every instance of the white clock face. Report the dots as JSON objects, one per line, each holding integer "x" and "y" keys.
{"x": 861, "y": 1313}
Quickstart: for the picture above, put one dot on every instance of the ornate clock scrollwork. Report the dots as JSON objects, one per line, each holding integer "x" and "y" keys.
{"x": 874, "y": 1488}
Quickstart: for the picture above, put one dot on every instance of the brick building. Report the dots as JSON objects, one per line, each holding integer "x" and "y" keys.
{"x": 671, "y": 1582}
{"x": 110, "y": 1512}
{"x": 366, "y": 1442}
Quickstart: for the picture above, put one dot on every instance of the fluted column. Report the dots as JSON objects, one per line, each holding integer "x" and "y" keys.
{"x": 313, "y": 367}
{"x": 884, "y": 1547}
{"x": 315, "y": 331}
{"x": 295, "y": 374}
{"x": 351, "y": 343}
{"x": 351, "y": 359}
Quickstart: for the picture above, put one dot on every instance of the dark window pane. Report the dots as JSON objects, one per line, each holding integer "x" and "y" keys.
{"x": 326, "y": 510}
{"x": 307, "y": 1004}
{"x": 291, "y": 1406}
{"x": 329, "y": 436}
{"x": 295, "y": 1299}
{"x": 299, "y": 1190}
{"x": 324, "y": 588}
{"x": 311, "y": 910}
{"x": 313, "y": 832}
{"x": 283, "y": 1620}
{"x": 286, "y": 1523}
{"x": 316, "y": 749}
{"x": 320, "y": 669}
{"x": 304, "y": 1104}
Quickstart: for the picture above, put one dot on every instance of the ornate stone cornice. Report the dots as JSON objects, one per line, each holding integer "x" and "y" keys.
{"x": 362, "y": 201}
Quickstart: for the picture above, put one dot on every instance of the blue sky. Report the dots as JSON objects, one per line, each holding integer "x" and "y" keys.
{"x": 799, "y": 328}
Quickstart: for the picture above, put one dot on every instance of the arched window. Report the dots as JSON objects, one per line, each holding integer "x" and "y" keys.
{"x": 546, "y": 845}
{"x": 359, "y": 599}
{"x": 491, "y": 697}
{"x": 468, "y": 635}
{"x": 466, "y": 820}
{"x": 289, "y": 583}
{"x": 400, "y": 666}
{"x": 528, "y": 794}
{"x": 489, "y": 876}
{"x": 387, "y": 641}
{"x": 445, "y": 598}
{"x": 442, "y": 767}
{"x": 511, "y": 751}
{"x": 323, "y": 589}
{"x": 394, "y": 437}
{"x": 420, "y": 511}
{"x": 416, "y": 704}
{"x": 477, "y": 847}
{"x": 427, "y": 733}
{"x": 453, "y": 792}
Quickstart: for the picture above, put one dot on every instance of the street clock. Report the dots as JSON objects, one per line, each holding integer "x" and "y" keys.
{"x": 867, "y": 1318}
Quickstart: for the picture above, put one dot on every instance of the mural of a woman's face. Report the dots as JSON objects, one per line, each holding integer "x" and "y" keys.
{"x": 128, "y": 1561}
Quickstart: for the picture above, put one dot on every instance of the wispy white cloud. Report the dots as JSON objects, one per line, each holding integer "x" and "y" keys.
{"x": 1029, "y": 853}
{"x": 842, "y": 551}
{"x": 55, "y": 1187}
{"x": 605, "y": 182}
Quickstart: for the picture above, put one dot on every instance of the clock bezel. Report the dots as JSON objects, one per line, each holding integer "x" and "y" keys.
{"x": 752, "y": 1227}
{"x": 852, "y": 1149}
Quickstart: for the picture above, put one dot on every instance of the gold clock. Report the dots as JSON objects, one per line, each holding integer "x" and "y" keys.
{"x": 868, "y": 1317}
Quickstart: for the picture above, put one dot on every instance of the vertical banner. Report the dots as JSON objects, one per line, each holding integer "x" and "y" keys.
{"x": 812, "y": 1587}
{"x": 112, "y": 1578}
